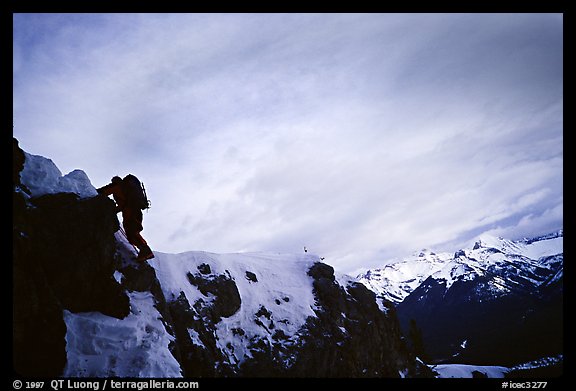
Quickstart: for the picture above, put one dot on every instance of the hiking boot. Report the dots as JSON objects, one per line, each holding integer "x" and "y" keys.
{"x": 144, "y": 254}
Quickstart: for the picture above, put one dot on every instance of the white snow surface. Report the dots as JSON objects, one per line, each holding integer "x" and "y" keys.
{"x": 41, "y": 176}
{"x": 454, "y": 270}
{"x": 283, "y": 287}
{"x": 136, "y": 346}
{"x": 397, "y": 280}
{"x": 466, "y": 371}
{"x": 534, "y": 250}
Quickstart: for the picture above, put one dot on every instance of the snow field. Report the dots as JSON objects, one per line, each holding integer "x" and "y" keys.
{"x": 136, "y": 346}
{"x": 466, "y": 371}
{"x": 282, "y": 287}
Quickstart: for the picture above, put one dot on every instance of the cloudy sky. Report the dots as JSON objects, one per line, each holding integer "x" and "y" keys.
{"x": 364, "y": 137}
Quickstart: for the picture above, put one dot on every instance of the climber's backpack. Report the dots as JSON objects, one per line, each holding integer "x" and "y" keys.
{"x": 135, "y": 192}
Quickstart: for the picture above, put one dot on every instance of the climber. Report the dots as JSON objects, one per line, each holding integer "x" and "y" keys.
{"x": 128, "y": 202}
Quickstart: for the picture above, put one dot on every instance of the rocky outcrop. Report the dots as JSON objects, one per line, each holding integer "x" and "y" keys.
{"x": 351, "y": 336}
{"x": 63, "y": 258}
{"x": 195, "y": 323}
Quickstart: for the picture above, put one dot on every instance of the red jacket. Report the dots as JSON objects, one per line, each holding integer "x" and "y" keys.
{"x": 117, "y": 193}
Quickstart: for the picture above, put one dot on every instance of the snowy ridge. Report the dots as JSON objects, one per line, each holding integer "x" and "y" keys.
{"x": 511, "y": 265}
{"x": 41, "y": 176}
{"x": 486, "y": 256}
{"x": 277, "y": 282}
{"x": 397, "y": 280}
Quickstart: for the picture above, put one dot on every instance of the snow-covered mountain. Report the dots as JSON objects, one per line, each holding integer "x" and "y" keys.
{"x": 524, "y": 264}
{"x": 511, "y": 266}
{"x": 498, "y": 301}
{"x": 397, "y": 280}
{"x": 84, "y": 307}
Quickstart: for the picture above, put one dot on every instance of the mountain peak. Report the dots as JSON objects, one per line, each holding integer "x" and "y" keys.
{"x": 517, "y": 285}
{"x": 398, "y": 279}
{"x": 553, "y": 235}
{"x": 422, "y": 254}
{"x": 486, "y": 240}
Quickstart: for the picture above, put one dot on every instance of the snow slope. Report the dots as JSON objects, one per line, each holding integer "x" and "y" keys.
{"x": 467, "y": 371}
{"x": 490, "y": 371}
{"x": 136, "y": 346}
{"x": 277, "y": 282}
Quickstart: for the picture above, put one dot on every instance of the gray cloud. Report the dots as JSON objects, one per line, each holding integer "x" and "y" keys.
{"x": 361, "y": 136}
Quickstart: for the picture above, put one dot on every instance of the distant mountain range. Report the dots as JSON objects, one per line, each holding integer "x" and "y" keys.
{"x": 498, "y": 302}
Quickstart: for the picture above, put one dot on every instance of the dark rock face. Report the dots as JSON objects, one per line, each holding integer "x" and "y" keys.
{"x": 227, "y": 298}
{"x": 38, "y": 328}
{"x": 63, "y": 258}
{"x": 503, "y": 330}
{"x": 351, "y": 336}
{"x": 195, "y": 324}
{"x": 204, "y": 268}
{"x": 199, "y": 354}
{"x": 18, "y": 159}
{"x": 74, "y": 244}
{"x": 251, "y": 277}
